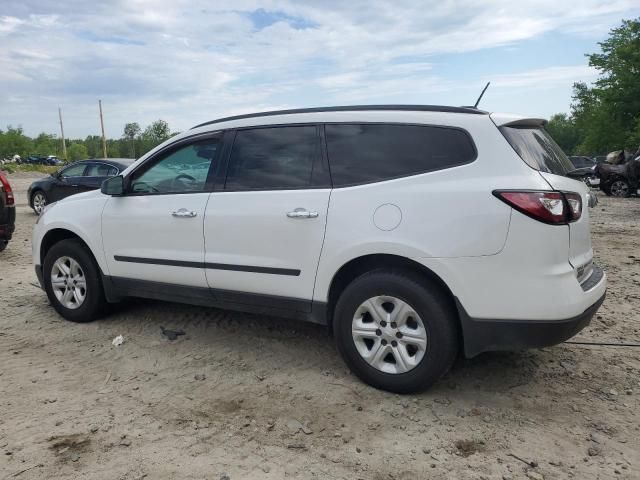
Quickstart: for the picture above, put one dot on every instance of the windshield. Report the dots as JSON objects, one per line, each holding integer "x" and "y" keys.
{"x": 536, "y": 147}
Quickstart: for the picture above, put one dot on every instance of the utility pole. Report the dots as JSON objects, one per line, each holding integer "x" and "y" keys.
{"x": 64, "y": 145}
{"x": 104, "y": 141}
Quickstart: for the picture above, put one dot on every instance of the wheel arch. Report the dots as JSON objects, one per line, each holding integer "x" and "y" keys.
{"x": 56, "y": 235}
{"x": 366, "y": 263}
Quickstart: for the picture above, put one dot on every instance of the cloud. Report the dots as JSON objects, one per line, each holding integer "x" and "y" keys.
{"x": 545, "y": 77}
{"x": 188, "y": 61}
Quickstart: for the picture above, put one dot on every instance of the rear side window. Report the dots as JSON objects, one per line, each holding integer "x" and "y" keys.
{"x": 101, "y": 170}
{"x": 536, "y": 147}
{"x": 364, "y": 153}
{"x": 273, "y": 158}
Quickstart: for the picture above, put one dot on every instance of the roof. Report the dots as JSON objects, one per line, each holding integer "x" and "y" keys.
{"x": 119, "y": 161}
{"x": 352, "y": 108}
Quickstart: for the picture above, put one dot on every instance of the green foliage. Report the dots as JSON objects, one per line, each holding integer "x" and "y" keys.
{"x": 14, "y": 142}
{"x": 77, "y": 151}
{"x": 134, "y": 143}
{"x": 608, "y": 113}
{"x": 565, "y": 132}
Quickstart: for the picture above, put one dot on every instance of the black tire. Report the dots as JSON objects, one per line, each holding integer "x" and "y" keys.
{"x": 429, "y": 302}
{"x": 3, "y": 245}
{"x": 94, "y": 304}
{"x": 619, "y": 188}
{"x": 31, "y": 200}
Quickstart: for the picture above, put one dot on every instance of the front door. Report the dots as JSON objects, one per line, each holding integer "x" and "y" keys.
{"x": 264, "y": 229}
{"x": 68, "y": 182}
{"x": 154, "y": 233}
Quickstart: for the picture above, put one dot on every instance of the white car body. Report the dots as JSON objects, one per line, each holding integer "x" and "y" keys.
{"x": 498, "y": 264}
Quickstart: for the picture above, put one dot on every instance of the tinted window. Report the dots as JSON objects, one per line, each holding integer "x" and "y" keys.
{"x": 101, "y": 170}
{"x": 273, "y": 158}
{"x": 182, "y": 171}
{"x": 536, "y": 147}
{"x": 368, "y": 153}
{"x": 74, "y": 170}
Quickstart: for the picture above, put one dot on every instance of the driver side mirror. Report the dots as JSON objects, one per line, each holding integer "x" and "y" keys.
{"x": 113, "y": 186}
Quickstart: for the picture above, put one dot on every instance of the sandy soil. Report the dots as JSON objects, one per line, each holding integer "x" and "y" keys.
{"x": 242, "y": 396}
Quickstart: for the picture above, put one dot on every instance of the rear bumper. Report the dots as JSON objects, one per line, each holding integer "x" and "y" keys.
{"x": 484, "y": 335}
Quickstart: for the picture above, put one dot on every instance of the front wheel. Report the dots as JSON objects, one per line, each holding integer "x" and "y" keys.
{"x": 396, "y": 331}
{"x": 38, "y": 202}
{"x": 72, "y": 281}
{"x": 619, "y": 188}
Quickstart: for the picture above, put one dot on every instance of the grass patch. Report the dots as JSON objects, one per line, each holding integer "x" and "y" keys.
{"x": 14, "y": 167}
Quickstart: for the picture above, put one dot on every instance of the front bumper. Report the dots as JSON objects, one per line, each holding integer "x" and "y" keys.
{"x": 483, "y": 335}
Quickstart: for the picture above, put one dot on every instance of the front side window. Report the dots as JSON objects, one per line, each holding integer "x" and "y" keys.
{"x": 273, "y": 158}
{"x": 184, "y": 170}
{"x": 364, "y": 153}
{"x": 73, "y": 171}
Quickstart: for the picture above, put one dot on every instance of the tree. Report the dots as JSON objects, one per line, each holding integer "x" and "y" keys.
{"x": 77, "y": 151}
{"x": 13, "y": 142}
{"x": 131, "y": 131}
{"x": 154, "y": 135}
{"x": 564, "y": 131}
{"x": 608, "y": 113}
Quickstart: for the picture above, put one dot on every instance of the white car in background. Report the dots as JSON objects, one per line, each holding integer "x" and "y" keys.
{"x": 413, "y": 232}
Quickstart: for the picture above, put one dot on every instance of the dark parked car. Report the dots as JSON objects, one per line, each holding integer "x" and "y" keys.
{"x": 51, "y": 160}
{"x": 78, "y": 177}
{"x": 620, "y": 180}
{"x": 7, "y": 212}
{"x": 584, "y": 170}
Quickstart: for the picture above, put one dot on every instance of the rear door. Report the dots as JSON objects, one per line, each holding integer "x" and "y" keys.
{"x": 96, "y": 173}
{"x": 264, "y": 229}
{"x": 536, "y": 147}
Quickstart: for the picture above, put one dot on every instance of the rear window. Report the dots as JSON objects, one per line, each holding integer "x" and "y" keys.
{"x": 536, "y": 147}
{"x": 364, "y": 153}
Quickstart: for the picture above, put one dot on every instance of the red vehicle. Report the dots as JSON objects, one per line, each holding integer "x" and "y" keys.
{"x": 7, "y": 212}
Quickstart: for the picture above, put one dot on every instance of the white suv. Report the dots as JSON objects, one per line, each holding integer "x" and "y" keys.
{"x": 412, "y": 231}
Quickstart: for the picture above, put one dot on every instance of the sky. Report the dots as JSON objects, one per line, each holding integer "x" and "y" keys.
{"x": 190, "y": 61}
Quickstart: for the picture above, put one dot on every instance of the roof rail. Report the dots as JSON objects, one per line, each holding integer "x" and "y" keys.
{"x": 351, "y": 108}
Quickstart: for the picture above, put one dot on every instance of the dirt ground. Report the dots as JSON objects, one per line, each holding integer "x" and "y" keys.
{"x": 242, "y": 396}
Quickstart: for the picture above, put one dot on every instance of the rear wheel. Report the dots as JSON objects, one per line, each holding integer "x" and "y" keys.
{"x": 72, "y": 281}
{"x": 395, "y": 331}
{"x": 38, "y": 201}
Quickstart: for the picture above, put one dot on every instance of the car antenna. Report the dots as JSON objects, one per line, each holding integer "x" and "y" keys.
{"x": 481, "y": 94}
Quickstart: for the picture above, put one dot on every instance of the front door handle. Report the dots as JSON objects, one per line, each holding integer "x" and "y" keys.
{"x": 302, "y": 213}
{"x": 184, "y": 213}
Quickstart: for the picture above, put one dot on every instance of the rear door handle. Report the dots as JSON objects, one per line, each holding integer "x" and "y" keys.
{"x": 184, "y": 213}
{"x": 302, "y": 213}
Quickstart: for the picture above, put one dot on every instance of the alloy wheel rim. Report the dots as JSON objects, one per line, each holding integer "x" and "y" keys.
{"x": 619, "y": 188}
{"x": 389, "y": 334}
{"x": 39, "y": 202}
{"x": 68, "y": 282}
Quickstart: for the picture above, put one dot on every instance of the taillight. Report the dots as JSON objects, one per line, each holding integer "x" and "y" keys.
{"x": 555, "y": 208}
{"x": 575, "y": 205}
{"x": 7, "y": 189}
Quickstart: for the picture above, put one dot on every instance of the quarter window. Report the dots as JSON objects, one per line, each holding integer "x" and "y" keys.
{"x": 273, "y": 158}
{"x": 363, "y": 153}
{"x": 184, "y": 170}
